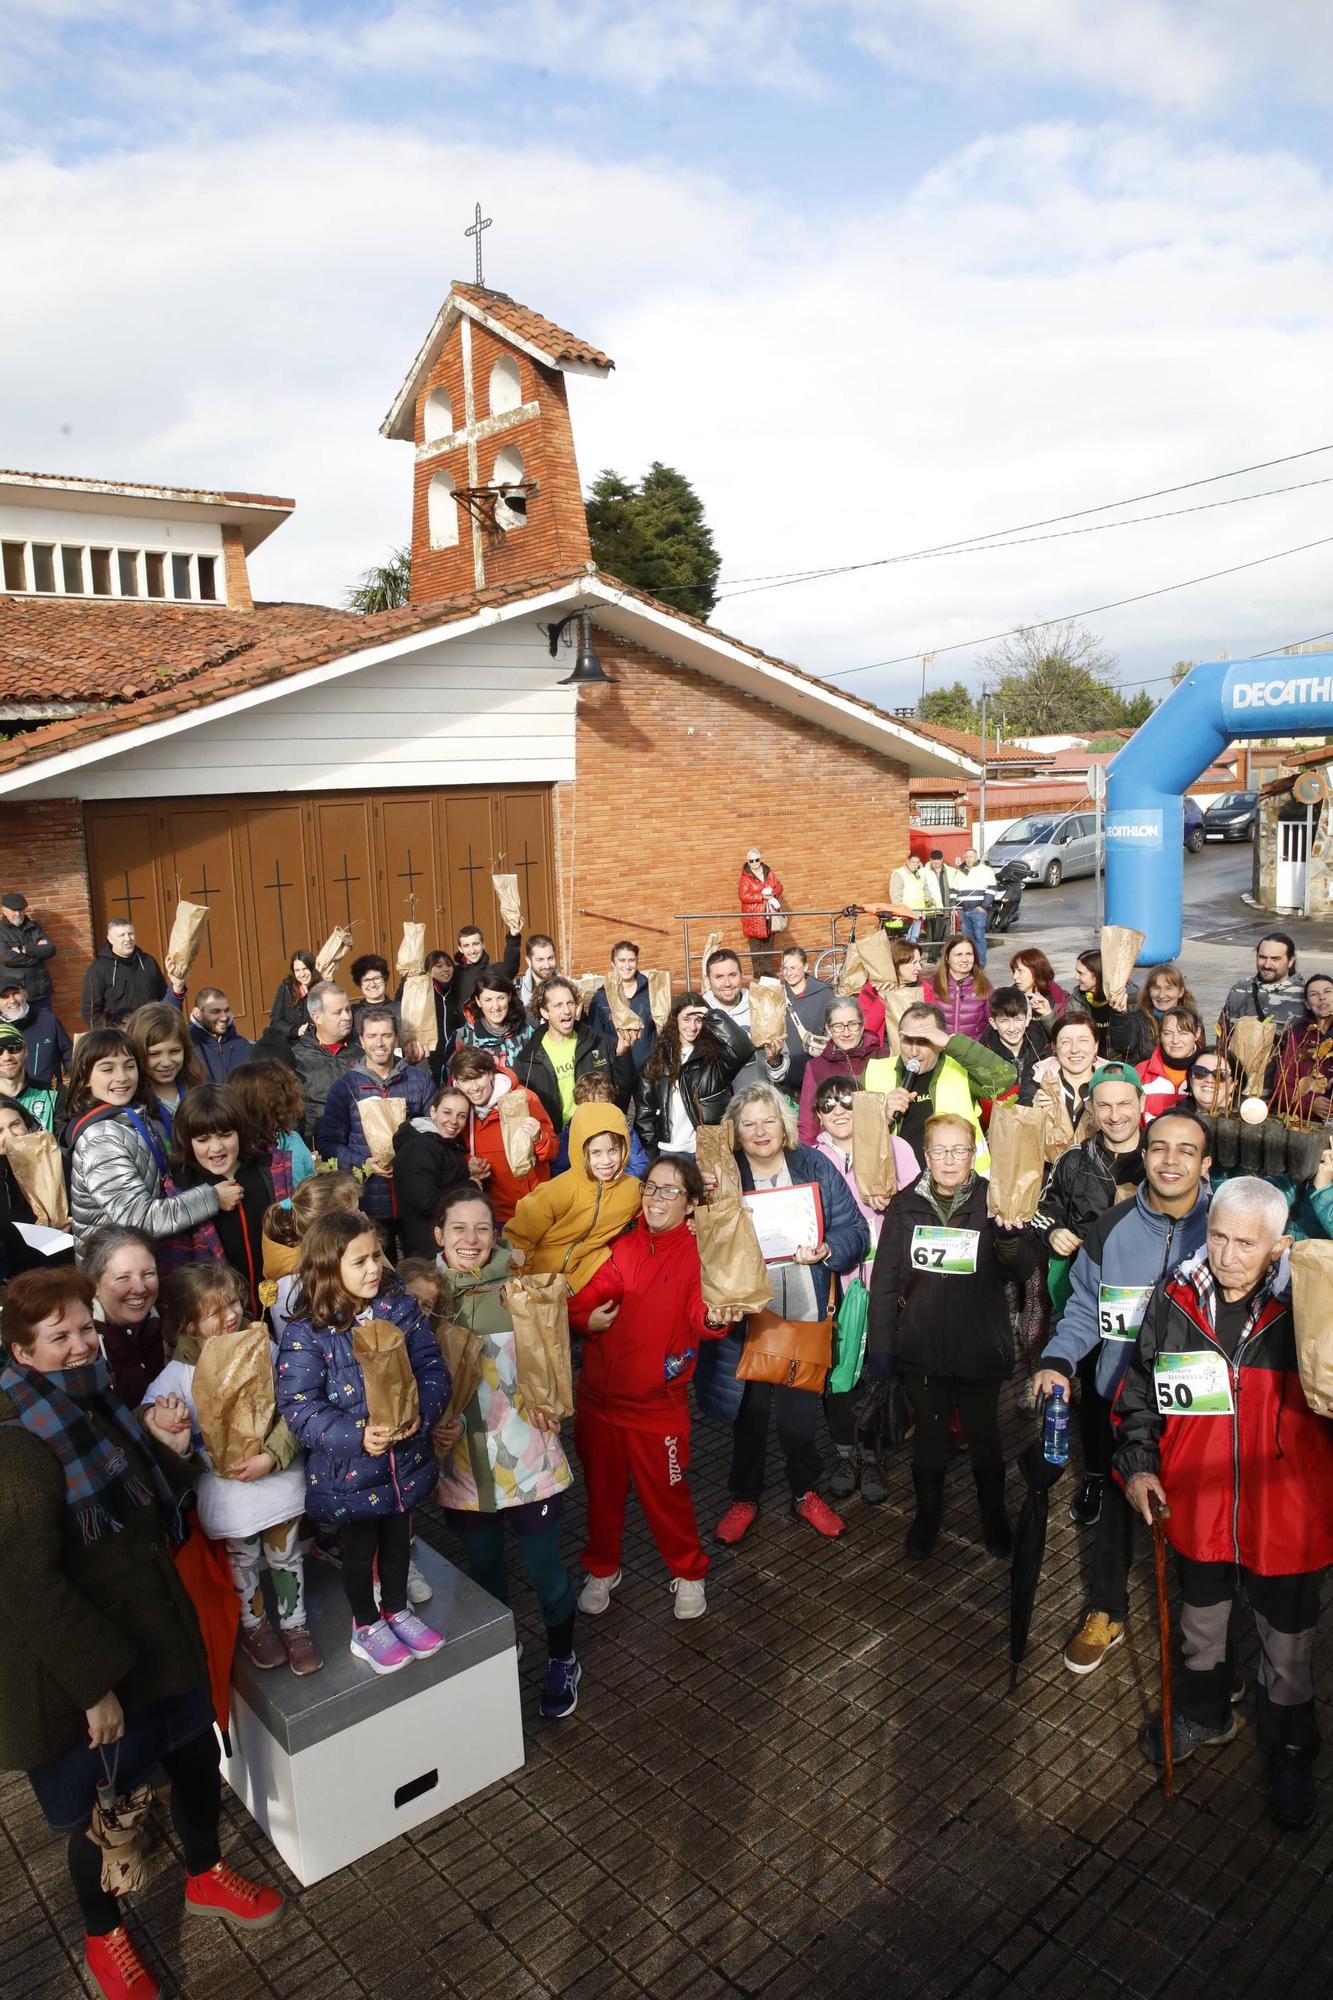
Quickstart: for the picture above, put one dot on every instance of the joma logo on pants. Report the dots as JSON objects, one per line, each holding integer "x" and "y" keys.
{"x": 674, "y": 1473}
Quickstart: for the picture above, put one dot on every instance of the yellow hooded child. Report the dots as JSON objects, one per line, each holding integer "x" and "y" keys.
{"x": 569, "y": 1224}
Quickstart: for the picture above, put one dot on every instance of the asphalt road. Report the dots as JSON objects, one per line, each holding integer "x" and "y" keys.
{"x": 1213, "y": 883}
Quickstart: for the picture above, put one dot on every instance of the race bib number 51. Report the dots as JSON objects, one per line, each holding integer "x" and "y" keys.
{"x": 1120, "y": 1310}
{"x": 952, "y": 1252}
{"x": 1192, "y": 1385}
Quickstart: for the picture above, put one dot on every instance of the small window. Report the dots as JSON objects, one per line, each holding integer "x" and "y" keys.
{"x": 16, "y": 576}
{"x": 43, "y": 566}
{"x": 156, "y": 569}
{"x": 438, "y": 421}
{"x": 442, "y": 512}
{"x": 101, "y": 560}
{"x": 511, "y": 509}
{"x": 127, "y": 564}
{"x": 208, "y": 577}
{"x": 71, "y": 568}
{"x": 506, "y": 388}
{"x": 180, "y": 577}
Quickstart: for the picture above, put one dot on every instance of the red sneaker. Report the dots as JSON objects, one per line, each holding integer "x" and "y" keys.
{"x": 117, "y": 1968}
{"x": 738, "y": 1518}
{"x": 813, "y": 1508}
{"x": 223, "y": 1893}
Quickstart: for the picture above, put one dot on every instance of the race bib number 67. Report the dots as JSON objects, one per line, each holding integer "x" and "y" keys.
{"x": 1192, "y": 1385}
{"x": 952, "y": 1252}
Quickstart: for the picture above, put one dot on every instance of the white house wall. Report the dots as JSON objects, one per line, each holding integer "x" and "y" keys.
{"x": 480, "y": 710}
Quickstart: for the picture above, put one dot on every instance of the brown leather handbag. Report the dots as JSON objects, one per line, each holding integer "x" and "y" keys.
{"x": 790, "y": 1353}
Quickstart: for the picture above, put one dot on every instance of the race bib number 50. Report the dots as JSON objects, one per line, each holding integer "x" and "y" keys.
{"x": 952, "y": 1252}
{"x": 1192, "y": 1385}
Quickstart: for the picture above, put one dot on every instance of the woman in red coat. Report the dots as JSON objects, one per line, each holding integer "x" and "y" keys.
{"x": 759, "y": 892}
{"x": 644, "y": 1316}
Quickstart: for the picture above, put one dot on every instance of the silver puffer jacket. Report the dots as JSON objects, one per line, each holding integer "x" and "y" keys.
{"x": 115, "y": 1179}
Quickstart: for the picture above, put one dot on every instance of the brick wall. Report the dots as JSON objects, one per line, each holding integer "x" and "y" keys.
{"x": 234, "y": 566}
{"x": 48, "y": 862}
{"x": 555, "y": 535}
{"x": 677, "y": 775}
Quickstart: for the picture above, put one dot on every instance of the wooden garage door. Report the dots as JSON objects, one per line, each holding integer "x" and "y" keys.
{"x": 278, "y": 873}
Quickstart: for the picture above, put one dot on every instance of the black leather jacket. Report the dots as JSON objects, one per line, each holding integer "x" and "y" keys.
{"x": 705, "y": 1086}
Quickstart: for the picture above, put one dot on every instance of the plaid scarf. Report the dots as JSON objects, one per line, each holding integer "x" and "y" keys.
{"x": 99, "y": 1482}
{"x": 1196, "y": 1273}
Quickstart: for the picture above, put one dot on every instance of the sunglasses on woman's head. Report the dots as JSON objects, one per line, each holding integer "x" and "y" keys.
{"x": 845, "y": 1098}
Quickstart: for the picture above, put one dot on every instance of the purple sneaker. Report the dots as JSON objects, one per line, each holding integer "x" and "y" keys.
{"x": 414, "y": 1633}
{"x": 380, "y": 1647}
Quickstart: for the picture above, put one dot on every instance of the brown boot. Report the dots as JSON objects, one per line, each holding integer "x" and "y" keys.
{"x": 262, "y": 1646}
{"x": 303, "y": 1655}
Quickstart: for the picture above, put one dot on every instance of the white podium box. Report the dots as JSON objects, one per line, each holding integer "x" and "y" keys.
{"x": 334, "y": 1764}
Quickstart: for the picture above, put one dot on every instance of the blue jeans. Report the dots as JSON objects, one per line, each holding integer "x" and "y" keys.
{"x": 972, "y": 923}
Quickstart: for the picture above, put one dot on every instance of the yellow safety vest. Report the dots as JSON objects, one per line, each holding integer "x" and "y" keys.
{"x": 952, "y": 1093}
{"x": 906, "y": 886}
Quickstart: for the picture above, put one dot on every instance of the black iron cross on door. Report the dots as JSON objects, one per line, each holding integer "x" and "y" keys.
{"x": 202, "y": 894}
{"x": 129, "y": 899}
{"x": 277, "y": 885}
{"x": 471, "y": 868}
{"x": 345, "y": 882}
{"x": 409, "y": 875}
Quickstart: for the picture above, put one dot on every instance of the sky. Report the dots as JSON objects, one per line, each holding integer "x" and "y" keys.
{"x": 879, "y": 276}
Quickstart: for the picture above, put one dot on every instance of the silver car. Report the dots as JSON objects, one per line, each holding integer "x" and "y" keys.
{"x": 1048, "y": 847}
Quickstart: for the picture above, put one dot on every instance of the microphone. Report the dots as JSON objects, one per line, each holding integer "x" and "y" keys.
{"x": 911, "y": 1069}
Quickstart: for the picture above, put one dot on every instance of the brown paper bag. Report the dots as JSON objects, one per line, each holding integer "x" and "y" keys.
{"x": 380, "y": 1119}
{"x": 1120, "y": 948}
{"x": 462, "y": 1357}
{"x": 1016, "y": 1137}
{"x": 1250, "y": 1046}
{"x": 187, "y": 932}
{"x": 1312, "y": 1311}
{"x": 735, "y": 1276}
{"x": 768, "y": 1012}
{"x": 333, "y": 951}
{"x": 623, "y": 1017}
{"x": 416, "y": 1011}
{"x": 233, "y": 1395}
{"x": 519, "y": 1149}
{"x": 897, "y": 1000}
{"x": 538, "y": 1305}
{"x": 35, "y": 1159}
{"x": 715, "y": 1153}
{"x": 412, "y": 950}
{"x": 854, "y": 973}
{"x": 876, "y": 949}
{"x": 1058, "y": 1133}
{"x": 872, "y": 1147}
{"x": 659, "y": 998}
{"x": 589, "y": 985}
{"x": 711, "y": 943}
{"x": 380, "y": 1350}
{"x": 511, "y": 909}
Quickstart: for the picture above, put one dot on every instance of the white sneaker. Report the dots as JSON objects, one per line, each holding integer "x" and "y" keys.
{"x": 691, "y": 1598}
{"x": 595, "y": 1595}
{"x": 418, "y": 1590}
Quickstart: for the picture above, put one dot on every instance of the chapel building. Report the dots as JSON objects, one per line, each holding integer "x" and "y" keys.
{"x": 294, "y": 766}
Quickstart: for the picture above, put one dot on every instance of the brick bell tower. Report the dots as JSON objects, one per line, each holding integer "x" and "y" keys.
{"x": 496, "y": 496}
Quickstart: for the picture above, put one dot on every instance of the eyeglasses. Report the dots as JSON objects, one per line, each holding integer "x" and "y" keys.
{"x": 660, "y": 1193}
{"x": 950, "y": 1152}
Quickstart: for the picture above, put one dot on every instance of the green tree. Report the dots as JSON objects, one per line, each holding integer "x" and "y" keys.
{"x": 1054, "y": 681}
{"x": 953, "y": 707}
{"x": 654, "y": 535}
{"x": 387, "y": 587}
{"x": 1179, "y": 671}
{"x": 1139, "y": 708}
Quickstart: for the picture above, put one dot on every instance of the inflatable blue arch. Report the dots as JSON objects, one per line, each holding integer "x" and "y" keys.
{"x": 1217, "y": 701}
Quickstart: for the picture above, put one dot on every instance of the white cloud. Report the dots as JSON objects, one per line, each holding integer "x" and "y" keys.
{"x": 1050, "y": 318}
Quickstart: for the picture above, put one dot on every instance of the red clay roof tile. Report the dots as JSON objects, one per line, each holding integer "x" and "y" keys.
{"x": 531, "y": 326}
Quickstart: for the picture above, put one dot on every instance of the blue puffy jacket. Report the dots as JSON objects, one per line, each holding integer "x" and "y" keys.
{"x": 1130, "y": 1245}
{"x": 322, "y": 1400}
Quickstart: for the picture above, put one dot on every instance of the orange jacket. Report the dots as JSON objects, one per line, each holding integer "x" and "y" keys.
{"x": 484, "y": 1138}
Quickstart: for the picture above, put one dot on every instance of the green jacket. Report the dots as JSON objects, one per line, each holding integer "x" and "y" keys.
{"x": 78, "y": 1619}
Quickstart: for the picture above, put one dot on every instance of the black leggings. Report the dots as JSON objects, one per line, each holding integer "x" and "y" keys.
{"x": 390, "y": 1538}
{"x": 196, "y": 1801}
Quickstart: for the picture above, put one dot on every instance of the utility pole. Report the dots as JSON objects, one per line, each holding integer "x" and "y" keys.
{"x": 981, "y": 845}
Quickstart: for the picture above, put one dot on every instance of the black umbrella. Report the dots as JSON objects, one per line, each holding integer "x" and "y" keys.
{"x": 1029, "y": 1549}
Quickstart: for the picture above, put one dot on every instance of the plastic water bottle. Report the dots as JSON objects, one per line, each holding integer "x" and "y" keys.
{"x": 1055, "y": 1429}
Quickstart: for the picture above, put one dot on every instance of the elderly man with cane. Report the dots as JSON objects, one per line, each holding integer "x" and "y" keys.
{"x": 1213, "y": 1425}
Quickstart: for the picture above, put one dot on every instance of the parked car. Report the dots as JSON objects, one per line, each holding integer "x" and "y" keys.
{"x": 1052, "y": 848}
{"x": 1232, "y": 817}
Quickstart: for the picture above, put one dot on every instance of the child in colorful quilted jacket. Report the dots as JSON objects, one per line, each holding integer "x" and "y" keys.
{"x": 358, "y": 1475}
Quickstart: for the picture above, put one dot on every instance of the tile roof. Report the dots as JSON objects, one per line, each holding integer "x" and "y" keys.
{"x": 174, "y": 658}
{"x": 531, "y": 326}
{"x": 133, "y": 487}
{"x": 968, "y": 745}
{"x": 87, "y": 649}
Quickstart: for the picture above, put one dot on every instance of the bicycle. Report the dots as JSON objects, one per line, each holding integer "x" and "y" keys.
{"x": 936, "y": 927}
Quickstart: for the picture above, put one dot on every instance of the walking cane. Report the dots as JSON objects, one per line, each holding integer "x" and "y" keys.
{"x": 1160, "y": 1511}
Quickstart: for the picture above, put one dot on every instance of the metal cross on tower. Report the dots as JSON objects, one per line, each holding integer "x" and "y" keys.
{"x": 478, "y": 225}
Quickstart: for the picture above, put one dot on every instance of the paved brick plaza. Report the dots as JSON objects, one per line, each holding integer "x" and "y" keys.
{"x": 821, "y": 1788}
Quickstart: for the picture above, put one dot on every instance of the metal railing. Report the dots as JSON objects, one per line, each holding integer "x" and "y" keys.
{"x": 936, "y": 925}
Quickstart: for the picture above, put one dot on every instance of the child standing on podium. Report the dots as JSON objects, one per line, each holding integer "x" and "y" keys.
{"x": 358, "y": 1477}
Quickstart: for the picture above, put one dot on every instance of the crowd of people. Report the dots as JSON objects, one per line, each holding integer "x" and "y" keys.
{"x": 214, "y": 1182}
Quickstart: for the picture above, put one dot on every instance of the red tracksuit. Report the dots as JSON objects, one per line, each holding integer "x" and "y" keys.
{"x": 631, "y": 1424}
